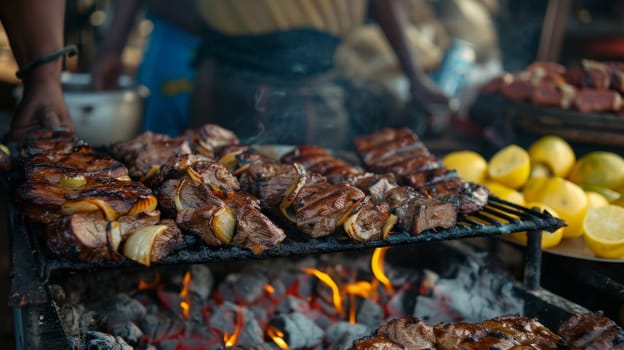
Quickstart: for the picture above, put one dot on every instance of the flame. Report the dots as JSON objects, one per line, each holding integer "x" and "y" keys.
{"x": 377, "y": 261}
{"x": 427, "y": 194}
{"x": 278, "y": 337}
{"x": 352, "y": 308}
{"x": 185, "y": 304}
{"x": 269, "y": 289}
{"x": 362, "y": 289}
{"x": 229, "y": 340}
{"x": 325, "y": 278}
{"x": 143, "y": 285}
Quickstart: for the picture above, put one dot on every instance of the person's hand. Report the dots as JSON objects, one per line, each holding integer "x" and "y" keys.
{"x": 426, "y": 92}
{"x": 106, "y": 71}
{"x": 42, "y": 107}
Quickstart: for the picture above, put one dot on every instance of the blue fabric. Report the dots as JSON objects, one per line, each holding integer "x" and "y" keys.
{"x": 166, "y": 70}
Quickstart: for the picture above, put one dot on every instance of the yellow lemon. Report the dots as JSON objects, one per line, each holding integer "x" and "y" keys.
{"x": 549, "y": 239}
{"x": 5, "y": 149}
{"x": 595, "y": 199}
{"x": 505, "y": 193}
{"x": 609, "y": 194}
{"x": 602, "y": 169}
{"x": 553, "y": 152}
{"x": 566, "y": 198}
{"x": 603, "y": 229}
{"x": 469, "y": 165}
{"x": 540, "y": 170}
{"x": 510, "y": 166}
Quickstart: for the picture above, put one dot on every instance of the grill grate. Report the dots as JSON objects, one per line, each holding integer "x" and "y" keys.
{"x": 497, "y": 218}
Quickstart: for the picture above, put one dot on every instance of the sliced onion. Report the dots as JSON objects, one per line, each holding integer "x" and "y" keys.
{"x": 176, "y": 197}
{"x": 230, "y": 160}
{"x": 389, "y": 225}
{"x": 194, "y": 175}
{"x": 241, "y": 170}
{"x": 351, "y": 227}
{"x": 153, "y": 170}
{"x": 138, "y": 246}
{"x": 72, "y": 182}
{"x": 223, "y": 224}
{"x": 113, "y": 235}
{"x": 347, "y": 213}
{"x": 89, "y": 205}
{"x": 123, "y": 178}
{"x": 143, "y": 205}
{"x": 5, "y": 149}
{"x": 292, "y": 191}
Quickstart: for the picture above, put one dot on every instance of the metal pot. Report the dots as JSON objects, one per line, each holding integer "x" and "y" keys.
{"x": 104, "y": 117}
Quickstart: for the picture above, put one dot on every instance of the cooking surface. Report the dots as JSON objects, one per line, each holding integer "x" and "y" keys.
{"x": 495, "y": 219}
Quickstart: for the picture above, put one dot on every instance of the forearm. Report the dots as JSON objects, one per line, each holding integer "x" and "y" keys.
{"x": 35, "y": 28}
{"x": 123, "y": 17}
{"x": 387, "y": 14}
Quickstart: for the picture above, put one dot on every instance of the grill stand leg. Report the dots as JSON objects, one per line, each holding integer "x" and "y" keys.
{"x": 533, "y": 260}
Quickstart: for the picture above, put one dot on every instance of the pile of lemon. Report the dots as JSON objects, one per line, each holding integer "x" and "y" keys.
{"x": 587, "y": 193}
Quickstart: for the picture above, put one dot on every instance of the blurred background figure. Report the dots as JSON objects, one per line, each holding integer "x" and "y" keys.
{"x": 165, "y": 67}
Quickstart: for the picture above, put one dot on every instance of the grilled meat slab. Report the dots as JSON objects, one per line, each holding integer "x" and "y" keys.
{"x": 410, "y": 332}
{"x": 400, "y": 151}
{"x": 592, "y": 331}
{"x": 51, "y": 166}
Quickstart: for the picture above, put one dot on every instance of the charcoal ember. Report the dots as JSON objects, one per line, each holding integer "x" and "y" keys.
{"x": 75, "y": 318}
{"x": 401, "y": 303}
{"x": 202, "y": 281}
{"x": 101, "y": 341}
{"x": 243, "y": 287}
{"x": 120, "y": 308}
{"x": 263, "y": 346}
{"x": 160, "y": 326}
{"x": 129, "y": 331}
{"x": 225, "y": 317}
{"x": 370, "y": 313}
{"x": 300, "y": 332}
{"x": 293, "y": 304}
{"x": 430, "y": 310}
{"x": 341, "y": 335}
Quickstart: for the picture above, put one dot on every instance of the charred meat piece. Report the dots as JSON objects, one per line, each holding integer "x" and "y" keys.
{"x": 214, "y": 224}
{"x": 322, "y": 207}
{"x": 524, "y": 331}
{"x": 468, "y": 196}
{"x": 144, "y": 154}
{"x": 429, "y": 177}
{"x": 51, "y": 166}
{"x": 200, "y": 169}
{"x": 518, "y": 89}
{"x": 410, "y": 332}
{"x": 384, "y": 143}
{"x": 467, "y": 336}
{"x": 417, "y": 213}
{"x": 377, "y": 342}
{"x": 209, "y": 138}
{"x": 184, "y": 193}
{"x": 317, "y": 159}
{"x": 254, "y": 230}
{"x": 43, "y": 201}
{"x": 592, "y": 331}
{"x": 50, "y": 141}
{"x": 369, "y": 221}
{"x": 91, "y": 237}
{"x": 151, "y": 243}
{"x": 597, "y": 100}
{"x": 376, "y": 185}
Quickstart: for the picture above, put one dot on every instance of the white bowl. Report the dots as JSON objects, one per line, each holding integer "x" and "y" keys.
{"x": 104, "y": 117}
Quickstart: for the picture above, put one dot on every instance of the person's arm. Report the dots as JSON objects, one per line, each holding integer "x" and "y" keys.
{"x": 35, "y": 28}
{"x": 387, "y": 13}
{"x": 108, "y": 64}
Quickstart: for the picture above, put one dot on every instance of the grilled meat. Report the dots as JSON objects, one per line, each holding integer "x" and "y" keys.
{"x": 417, "y": 213}
{"x": 167, "y": 242}
{"x": 51, "y": 166}
{"x": 378, "y": 342}
{"x": 209, "y": 138}
{"x": 254, "y": 230}
{"x": 400, "y": 151}
{"x": 43, "y": 201}
{"x": 178, "y": 194}
{"x": 50, "y": 141}
{"x": 317, "y": 160}
{"x": 144, "y": 154}
{"x": 410, "y": 332}
{"x": 91, "y": 237}
{"x": 202, "y": 221}
{"x": 592, "y": 331}
{"x": 506, "y": 332}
